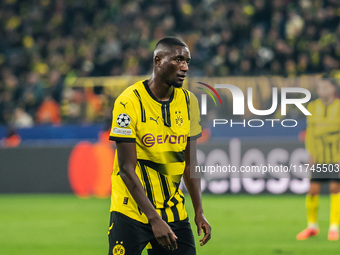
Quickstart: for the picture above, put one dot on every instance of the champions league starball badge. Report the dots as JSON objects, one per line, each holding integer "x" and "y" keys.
{"x": 123, "y": 120}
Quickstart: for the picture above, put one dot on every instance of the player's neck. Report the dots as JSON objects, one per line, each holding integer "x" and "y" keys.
{"x": 160, "y": 90}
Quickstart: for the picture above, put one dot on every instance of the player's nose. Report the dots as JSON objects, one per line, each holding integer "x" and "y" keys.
{"x": 185, "y": 66}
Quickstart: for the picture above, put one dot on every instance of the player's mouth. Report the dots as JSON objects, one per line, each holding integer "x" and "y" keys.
{"x": 181, "y": 77}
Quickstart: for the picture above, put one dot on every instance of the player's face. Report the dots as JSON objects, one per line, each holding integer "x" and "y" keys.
{"x": 175, "y": 66}
{"x": 325, "y": 89}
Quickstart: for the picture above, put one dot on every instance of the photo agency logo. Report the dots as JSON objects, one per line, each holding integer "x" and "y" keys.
{"x": 294, "y": 96}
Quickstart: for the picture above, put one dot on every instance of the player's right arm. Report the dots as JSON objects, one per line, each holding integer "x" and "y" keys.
{"x": 123, "y": 131}
{"x": 127, "y": 160}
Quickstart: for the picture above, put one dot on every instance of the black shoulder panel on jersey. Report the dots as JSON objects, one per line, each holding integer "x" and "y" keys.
{"x": 141, "y": 105}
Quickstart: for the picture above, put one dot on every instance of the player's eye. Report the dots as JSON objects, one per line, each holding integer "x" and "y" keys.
{"x": 178, "y": 60}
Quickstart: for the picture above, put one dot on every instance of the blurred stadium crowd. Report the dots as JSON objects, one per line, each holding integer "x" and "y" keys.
{"x": 45, "y": 44}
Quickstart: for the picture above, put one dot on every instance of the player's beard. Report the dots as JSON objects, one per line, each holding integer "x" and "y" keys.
{"x": 177, "y": 85}
{"x": 174, "y": 81}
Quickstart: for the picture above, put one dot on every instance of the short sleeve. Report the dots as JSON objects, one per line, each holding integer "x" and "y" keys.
{"x": 195, "y": 127}
{"x": 124, "y": 119}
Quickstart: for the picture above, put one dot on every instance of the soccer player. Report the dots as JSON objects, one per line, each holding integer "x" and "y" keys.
{"x": 323, "y": 144}
{"x": 155, "y": 125}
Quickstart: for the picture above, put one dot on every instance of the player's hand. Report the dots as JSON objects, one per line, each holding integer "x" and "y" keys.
{"x": 202, "y": 223}
{"x": 164, "y": 235}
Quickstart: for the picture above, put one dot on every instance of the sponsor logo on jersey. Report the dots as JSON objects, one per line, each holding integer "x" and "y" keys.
{"x": 123, "y": 104}
{"x": 121, "y": 131}
{"x": 155, "y": 120}
{"x": 149, "y": 139}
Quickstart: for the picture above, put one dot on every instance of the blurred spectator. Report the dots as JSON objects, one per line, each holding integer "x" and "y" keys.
{"x": 56, "y": 85}
{"x": 48, "y": 112}
{"x": 33, "y": 94}
{"x": 12, "y": 138}
{"x": 21, "y": 119}
{"x": 74, "y": 106}
{"x": 46, "y": 44}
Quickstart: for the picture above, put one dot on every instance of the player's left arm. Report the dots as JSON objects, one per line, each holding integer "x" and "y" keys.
{"x": 194, "y": 187}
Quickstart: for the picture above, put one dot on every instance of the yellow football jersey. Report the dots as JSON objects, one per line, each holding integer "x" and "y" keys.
{"x": 160, "y": 130}
{"x": 323, "y": 131}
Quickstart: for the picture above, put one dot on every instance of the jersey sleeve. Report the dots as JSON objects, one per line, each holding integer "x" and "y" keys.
{"x": 309, "y": 139}
{"x": 124, "y": 119}
{"x": 195, "y": 127}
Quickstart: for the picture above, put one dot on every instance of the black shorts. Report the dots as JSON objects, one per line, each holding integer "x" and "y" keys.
{"x": 330, "y": 173}
{"x": 129, "y": 237}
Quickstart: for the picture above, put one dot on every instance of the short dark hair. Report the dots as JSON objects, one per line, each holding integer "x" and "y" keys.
{"x": 170, "y": 42}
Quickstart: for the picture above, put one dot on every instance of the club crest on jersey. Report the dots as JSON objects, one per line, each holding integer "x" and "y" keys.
{"x": 179, "y": 119}
{"x": 118, "y": 249}
{"x": 123, "y": 120}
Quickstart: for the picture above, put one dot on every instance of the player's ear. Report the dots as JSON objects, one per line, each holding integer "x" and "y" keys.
{"x": 158, "y": 61}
